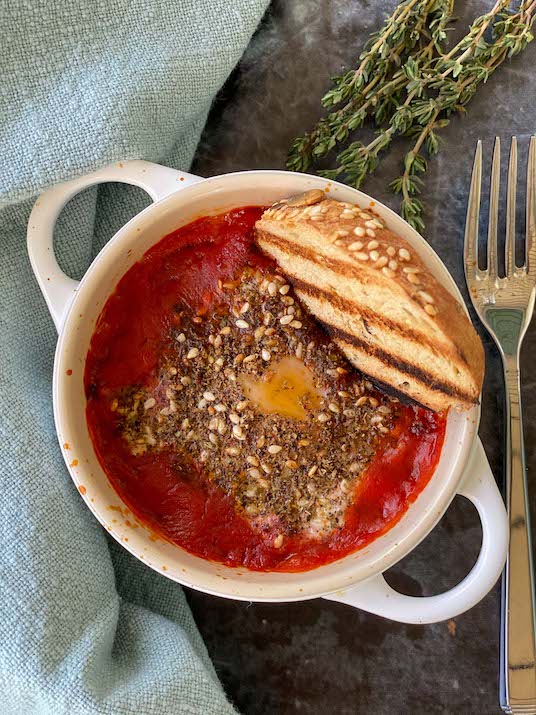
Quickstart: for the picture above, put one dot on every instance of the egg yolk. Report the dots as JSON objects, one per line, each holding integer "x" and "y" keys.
{"x": 287, "y": 389}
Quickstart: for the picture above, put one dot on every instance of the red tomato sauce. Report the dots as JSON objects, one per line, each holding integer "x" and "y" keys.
{"x": 175, "y": 499}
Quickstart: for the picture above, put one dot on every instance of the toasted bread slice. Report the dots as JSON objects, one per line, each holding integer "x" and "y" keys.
{"x": 375, "y": 296}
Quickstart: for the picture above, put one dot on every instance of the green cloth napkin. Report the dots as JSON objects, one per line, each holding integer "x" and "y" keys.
{"x": 84, "y": 627}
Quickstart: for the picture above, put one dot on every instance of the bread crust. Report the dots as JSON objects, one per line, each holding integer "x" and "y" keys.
{"x": 373, "y": 293}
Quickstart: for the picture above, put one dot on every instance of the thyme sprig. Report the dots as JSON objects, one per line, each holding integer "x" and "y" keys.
{"x": 409, "y": 84}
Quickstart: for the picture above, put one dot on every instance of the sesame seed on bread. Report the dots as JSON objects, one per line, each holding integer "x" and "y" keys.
{"x": 371, "y": 291}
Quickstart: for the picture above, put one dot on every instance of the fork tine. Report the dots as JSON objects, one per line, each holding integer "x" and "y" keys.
{"x": 510, "y": 245}
{"x": 494, "y": 209}
{"x": 470, "y": 247}
{"x": 530, "y": 242}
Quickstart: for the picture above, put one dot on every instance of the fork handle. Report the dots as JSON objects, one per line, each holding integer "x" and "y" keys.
{"x": 518, "y": 647}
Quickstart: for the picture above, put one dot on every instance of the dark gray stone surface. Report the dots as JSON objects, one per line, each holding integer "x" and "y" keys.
{"x": 318, "y": 657}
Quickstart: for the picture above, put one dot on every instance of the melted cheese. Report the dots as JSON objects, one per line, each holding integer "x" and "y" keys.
{"x": 285, "y": 389}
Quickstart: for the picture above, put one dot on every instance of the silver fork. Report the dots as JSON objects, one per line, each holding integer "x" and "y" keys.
{"x": 505, "y": 306}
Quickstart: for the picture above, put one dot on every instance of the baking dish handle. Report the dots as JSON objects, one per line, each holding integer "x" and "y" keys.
{"x": 376, "y": 596}
{"x": 57, "y": 288}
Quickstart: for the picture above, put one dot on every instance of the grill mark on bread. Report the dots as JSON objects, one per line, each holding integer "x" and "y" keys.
{"x": 368, "y": 316}
{"x": 392, "y": 391}
{"x": 408, "y": 368}
{"x": 291, "y": 248}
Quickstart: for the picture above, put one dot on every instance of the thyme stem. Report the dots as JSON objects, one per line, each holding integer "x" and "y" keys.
{"x": 409, "y": 84}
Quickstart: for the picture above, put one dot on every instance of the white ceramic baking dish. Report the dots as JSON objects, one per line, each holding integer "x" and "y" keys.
{"x": 75, "y": 306}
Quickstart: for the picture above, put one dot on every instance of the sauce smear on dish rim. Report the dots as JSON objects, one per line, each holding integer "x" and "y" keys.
{"x": 176, "y": 499}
